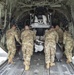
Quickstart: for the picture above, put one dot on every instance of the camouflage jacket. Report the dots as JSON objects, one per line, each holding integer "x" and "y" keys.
{"x": 51, "y": 36}
{"x": 60, "y": 33}
{"x": 67, "y": 37}
{"x": 11, "y": 35}
{"x": 27, "y": 36}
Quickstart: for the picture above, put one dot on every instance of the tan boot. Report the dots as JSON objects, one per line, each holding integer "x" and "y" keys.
{"x": 10, "y": 61}
{"x": 47, "y": 65}
{"x": 68, "y": 61}
{"x": 27, "y": 67}
{"x": 52, "y": 64}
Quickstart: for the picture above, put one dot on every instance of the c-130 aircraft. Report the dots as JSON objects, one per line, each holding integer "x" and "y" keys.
{"x": 40, "y": 15}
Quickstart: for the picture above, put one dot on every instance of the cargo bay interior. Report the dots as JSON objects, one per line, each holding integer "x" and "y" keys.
{"x": 20, "y": 12}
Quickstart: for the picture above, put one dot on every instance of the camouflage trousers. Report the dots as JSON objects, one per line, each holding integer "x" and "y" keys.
{"x": 68, "y": 50}
{"x": 50, "y": 50}
{"x": 11, "y": 50}
{"x": 27, "y": 49}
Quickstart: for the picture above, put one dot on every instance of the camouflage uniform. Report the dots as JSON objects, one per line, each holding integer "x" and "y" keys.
{"x": 60, "y": 33}
{"x": 27, "y": 37}
{"x": 11, "y": 34}
{"x": 51, "y": 38}
{"x": 69, "y": 44}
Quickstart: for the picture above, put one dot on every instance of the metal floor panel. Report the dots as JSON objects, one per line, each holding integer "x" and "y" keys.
{"x": 37, "y": 67}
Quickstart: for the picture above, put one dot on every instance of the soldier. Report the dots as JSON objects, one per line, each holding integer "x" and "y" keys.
{"x": 69, "y": 44}
{"x": 11, "y": 35}
{"x": 27, "y": 37}
{"x": 51, "y": 38}
{"x": 60, "y": 33}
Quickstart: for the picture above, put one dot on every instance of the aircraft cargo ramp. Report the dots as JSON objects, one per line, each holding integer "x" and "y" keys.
{"x": 37, "y": 67}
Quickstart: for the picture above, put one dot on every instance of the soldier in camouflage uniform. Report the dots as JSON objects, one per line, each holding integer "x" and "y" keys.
{"x": 11, "y": 35}
{"x": 69, "y": 44}
{"x": 27, "y": 37}
{"x": 51, "y": 38}
{"x": 60, "y": 33}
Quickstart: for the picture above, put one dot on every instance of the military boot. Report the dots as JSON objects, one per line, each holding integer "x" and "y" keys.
{"x": 24, "y": 63}
{"x": 52, "y": 64}
{"x": 10, "y": 61}
{"x": 27, "y": 67}
{"x": 47, "y": 65}
{"x": 68, "y": 61}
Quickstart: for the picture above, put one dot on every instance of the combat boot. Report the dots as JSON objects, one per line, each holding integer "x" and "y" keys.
{"x": 68, "y": 61}
{"x": 27, "y": 67}
{"x": 47, "y": 65}
{"x": 10, "y": 61}
{"x": 52, "y": 64}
